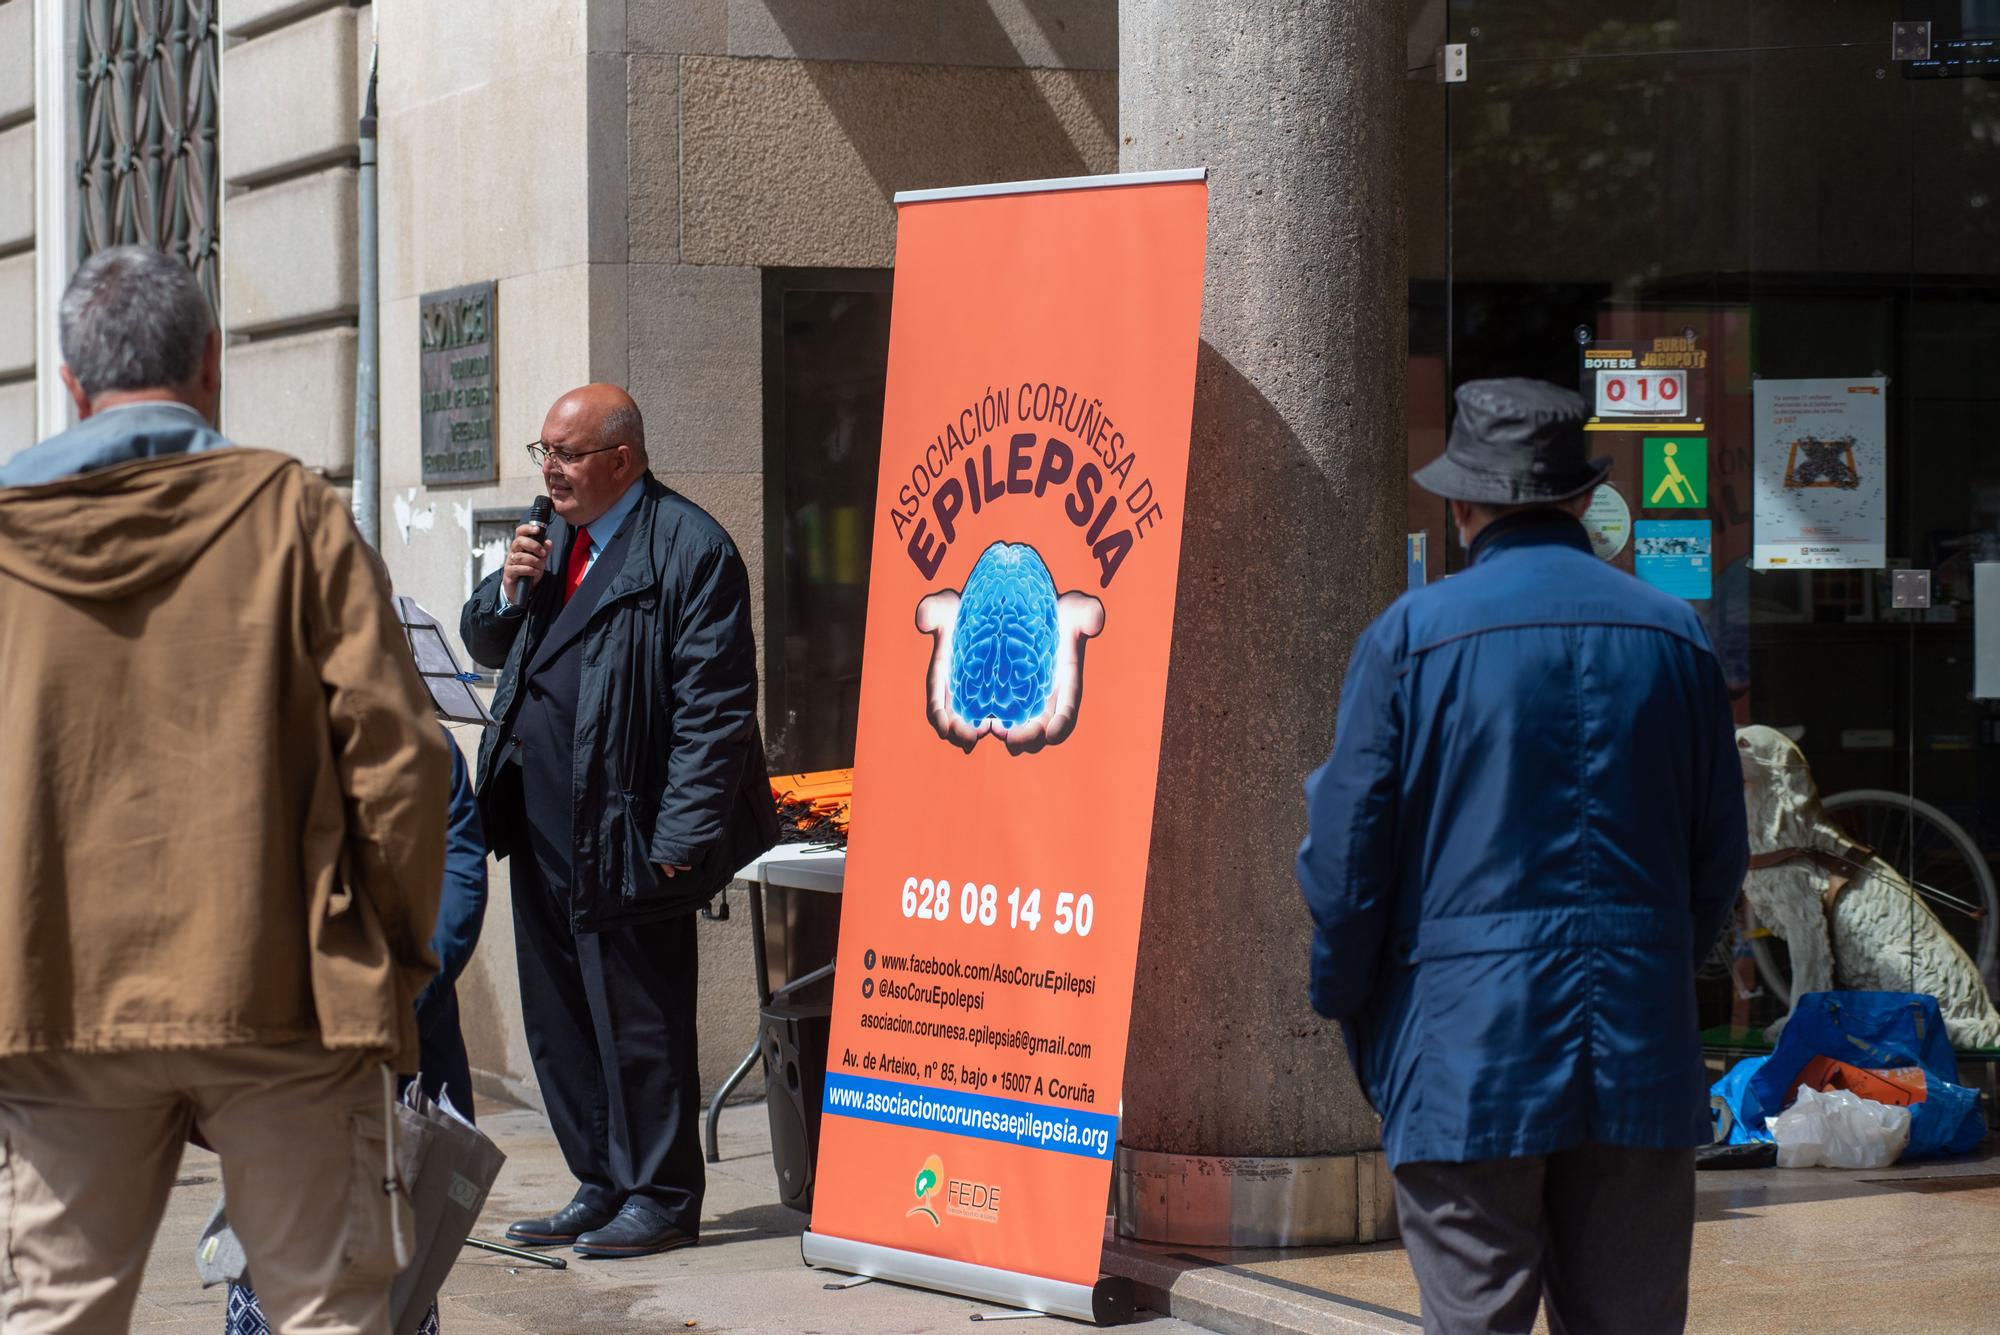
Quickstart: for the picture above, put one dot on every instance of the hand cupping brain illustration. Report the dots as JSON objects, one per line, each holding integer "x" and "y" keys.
{"x": 1007, "y": 653}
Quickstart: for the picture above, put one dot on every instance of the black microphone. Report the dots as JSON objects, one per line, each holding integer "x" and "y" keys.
{"x": 539, "y": 513}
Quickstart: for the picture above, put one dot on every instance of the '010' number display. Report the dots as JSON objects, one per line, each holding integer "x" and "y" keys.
{"x": 932, "y": 899}
{"x": 1641, "y": 394}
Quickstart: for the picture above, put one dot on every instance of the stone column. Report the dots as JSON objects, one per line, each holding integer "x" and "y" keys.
{"x": 1293, "y": 543}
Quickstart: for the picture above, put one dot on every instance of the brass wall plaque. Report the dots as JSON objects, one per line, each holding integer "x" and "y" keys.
{"x": 458, "y": 376}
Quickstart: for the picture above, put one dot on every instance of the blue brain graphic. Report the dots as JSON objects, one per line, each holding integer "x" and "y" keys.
{"x": 1003, "y": 651}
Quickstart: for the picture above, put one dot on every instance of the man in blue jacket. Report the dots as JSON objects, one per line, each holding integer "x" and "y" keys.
{"x": 1530, "y": 831}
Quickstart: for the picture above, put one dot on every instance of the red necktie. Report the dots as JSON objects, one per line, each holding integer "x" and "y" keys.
{"x": 579, "y": 561}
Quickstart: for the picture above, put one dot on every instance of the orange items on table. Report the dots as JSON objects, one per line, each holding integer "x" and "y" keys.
{"x": 814, "y": 807}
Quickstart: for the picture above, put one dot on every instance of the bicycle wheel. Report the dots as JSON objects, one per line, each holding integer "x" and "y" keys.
{"x": 1934, "y": 853}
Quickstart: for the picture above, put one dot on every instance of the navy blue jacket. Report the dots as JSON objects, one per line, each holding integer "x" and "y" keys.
{"x": 1529, "y": 833}
{"x": 461, "y": 912}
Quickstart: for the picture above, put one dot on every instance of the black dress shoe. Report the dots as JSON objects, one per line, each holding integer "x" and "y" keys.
{"x": 636, "y": 1231}
{"x": 560, "y": 1228}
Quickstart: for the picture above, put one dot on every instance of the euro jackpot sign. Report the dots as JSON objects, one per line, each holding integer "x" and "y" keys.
{"x": 1027, "y": 542}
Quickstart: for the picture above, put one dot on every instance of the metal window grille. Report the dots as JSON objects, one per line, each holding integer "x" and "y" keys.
{"x": 146, "y": 107}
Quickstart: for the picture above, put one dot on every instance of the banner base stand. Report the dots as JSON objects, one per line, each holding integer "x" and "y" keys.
{"x": 1109, "y": 1302}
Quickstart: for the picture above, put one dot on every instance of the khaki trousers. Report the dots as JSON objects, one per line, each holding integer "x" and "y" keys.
{"x": 89, "y": 1146}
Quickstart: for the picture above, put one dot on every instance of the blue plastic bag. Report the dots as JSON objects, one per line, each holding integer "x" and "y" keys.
{"x": 1730, "y": 1107}
{"x": 1867, "y": 1029}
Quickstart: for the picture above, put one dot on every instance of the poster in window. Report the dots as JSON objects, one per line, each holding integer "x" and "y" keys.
{"x": 1821, "y": 499}
{"x": 1674, "y": 556}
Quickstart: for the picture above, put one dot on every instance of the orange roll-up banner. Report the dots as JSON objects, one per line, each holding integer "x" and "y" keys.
{"x": 1020, "y": 610}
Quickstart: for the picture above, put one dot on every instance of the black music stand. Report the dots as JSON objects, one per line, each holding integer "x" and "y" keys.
{"x": 447, "y": 680}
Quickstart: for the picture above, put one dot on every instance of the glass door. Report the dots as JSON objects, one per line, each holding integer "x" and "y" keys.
{"x": 1947, "y": 835}
{"x": 1765, "y": 251}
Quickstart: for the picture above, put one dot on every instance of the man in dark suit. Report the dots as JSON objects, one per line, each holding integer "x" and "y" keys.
{"x": 626, "y": 781}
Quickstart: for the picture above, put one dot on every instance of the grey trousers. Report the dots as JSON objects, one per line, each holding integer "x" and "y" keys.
{"x": 1601, "y": 1233}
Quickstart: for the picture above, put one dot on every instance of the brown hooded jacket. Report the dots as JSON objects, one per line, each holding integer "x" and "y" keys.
{"x": 223, "y": 800}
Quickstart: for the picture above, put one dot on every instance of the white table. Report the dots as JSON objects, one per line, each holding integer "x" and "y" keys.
{"x": 800, "y": 867}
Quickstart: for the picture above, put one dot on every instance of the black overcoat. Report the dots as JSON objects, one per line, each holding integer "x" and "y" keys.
{"x": 668, "y": 764}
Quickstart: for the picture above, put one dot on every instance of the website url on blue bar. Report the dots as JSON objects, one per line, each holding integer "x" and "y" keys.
{"x": 1035, "y": 1125}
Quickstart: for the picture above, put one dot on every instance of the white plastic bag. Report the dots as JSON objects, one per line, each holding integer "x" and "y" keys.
{"x": 1839, "y": 1130}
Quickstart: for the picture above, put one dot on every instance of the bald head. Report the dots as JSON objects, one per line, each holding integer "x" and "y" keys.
{"x": 600, "y": 428}
{"x": 606, "y": 415}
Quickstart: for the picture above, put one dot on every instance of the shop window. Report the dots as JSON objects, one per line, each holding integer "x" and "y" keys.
{"x": 826, "y": 357}
{"x": 1756, "y": 208}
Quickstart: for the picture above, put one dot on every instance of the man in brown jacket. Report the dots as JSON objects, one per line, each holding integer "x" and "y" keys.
{"x": 221, "y": 838}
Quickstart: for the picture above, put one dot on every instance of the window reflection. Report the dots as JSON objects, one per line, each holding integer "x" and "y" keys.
{"x": 826, "y": 359}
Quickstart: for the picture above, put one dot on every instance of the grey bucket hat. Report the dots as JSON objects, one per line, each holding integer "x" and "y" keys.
{"x": 1515, "y": 442}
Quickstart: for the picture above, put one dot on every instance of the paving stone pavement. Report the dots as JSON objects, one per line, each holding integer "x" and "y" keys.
{"x": 745, "y": 1276}
{"x": 1810, "y": 1250}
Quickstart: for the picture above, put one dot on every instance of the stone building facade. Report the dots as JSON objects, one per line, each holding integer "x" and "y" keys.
{"x": 693, "y": 198}
{"x": 18, "y": 198}
{"x": 629, "y": 174}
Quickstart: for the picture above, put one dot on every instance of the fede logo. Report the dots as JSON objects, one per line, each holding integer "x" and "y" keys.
{"x": 978, "y": 1201}
{"x": 930, "y": 1180}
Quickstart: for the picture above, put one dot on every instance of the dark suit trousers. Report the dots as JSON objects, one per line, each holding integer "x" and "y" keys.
{"x": 1601, "y": 1233}
{"x": 611, "y": 1028}
{"x": 445, "y": 1068}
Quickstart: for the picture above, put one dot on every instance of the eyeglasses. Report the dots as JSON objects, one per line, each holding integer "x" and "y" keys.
{"x": 566, "y": 459}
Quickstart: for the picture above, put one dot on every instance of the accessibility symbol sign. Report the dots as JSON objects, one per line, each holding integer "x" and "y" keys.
{"x": 1676, "y": 473}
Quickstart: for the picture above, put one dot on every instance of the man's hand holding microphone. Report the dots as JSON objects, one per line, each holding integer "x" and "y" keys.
{"x": 529, "y": 556}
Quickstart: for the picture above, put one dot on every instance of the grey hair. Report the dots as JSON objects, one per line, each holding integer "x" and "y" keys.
{"x": 133, "y": 318}
{"x": 624, "y": 426}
